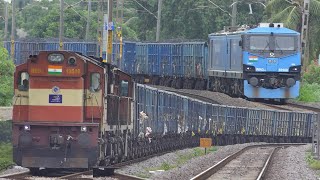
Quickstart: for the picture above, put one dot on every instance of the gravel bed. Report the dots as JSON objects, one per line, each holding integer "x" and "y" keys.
{"x": 220, "y": 98}
{"x": 181, "y": 171}
{"x": 311, "y": 104}
{"x": 13, "y": 170}
{"x": 5, "y": 113}
{"x": 246, "y": 166}
{"x": 290, "y": 163}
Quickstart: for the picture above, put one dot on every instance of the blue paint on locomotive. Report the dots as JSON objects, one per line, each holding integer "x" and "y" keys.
{"x": 281, "y": 64}
{"x": 260, "y": 92}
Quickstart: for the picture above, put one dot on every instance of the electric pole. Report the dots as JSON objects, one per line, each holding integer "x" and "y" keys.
{"x": 6, "y": 21}
{"x": 61, "y": 25}
{"x": 159, "y": 20}
{"x": 99, "y": 29}
{"x": 234, "y": 13}
{"x": 109, "y": 40}
{"x": 88, "y": 21}
{"x": 13, "y": 28}
{"x": 304, "y": 34}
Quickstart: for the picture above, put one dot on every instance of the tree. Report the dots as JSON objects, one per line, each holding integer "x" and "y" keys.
{"x": 6, "y": 78}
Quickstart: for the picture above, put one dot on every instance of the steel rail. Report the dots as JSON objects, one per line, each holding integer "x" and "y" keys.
{"x": 19, "y": 175}
{"x": 71, "y": 176}
{"x": 215, "y": 168}
{"x": 126, "y": 177}
{"x": 304, "y": 107}
{"x": 267, "y": 164}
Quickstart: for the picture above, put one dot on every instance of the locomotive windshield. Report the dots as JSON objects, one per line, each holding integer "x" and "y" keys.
{"x": 284, "y": 43}
{"x": 272, "y": 43}
{"x": 259, "y": 43}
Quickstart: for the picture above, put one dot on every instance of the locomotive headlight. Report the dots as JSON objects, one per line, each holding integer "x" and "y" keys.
{"x": 248, "y": 68}
{"x": 55, "y": 58}
{"x": 295, "y": 69}
{"x": 72, "y": 61}
{"x": 83, "y": 128}
{"x": 27, "y": 127}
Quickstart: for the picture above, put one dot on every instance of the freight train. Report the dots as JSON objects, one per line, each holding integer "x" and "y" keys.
{"x": 71, "y": 111}
{"x": 257, "y": 63}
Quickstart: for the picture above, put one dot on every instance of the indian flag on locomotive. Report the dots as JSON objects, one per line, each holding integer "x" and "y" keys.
{"x": 54, "y": 70}
{"x": 253, "y": 58}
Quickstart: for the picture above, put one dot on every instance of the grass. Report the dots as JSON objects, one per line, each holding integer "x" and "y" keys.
{"x": 5, "y": 156}
{"x": 182, "y": 159}
{"x": 313, "y": 163}
{"x": 310, "y": 92}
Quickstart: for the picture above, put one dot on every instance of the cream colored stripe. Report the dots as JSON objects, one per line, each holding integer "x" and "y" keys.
{"x": 20, "y": 97}
{"x": 94, "y": 98}
{"x": 70, "y": 97}
{"x": 41, "y": 97}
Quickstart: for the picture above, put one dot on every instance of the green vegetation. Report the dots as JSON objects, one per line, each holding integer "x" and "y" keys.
{"x": 5, "y": 155}
{"x": 313, "y": 163}
{"x": 310, "y": 92}
{"x": 6, "y": 78}
{"x": 310, "y": 89}
{"x": 181, "y": 19}
{"x": 5, "y": 145}
{"x": 182, "y": 159}
{"x": 6, "y": 131}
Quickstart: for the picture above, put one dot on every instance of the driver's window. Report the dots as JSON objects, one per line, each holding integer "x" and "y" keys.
{"x": 23, "y": 83}
{"x": 95, "y": 82}
{"x": 124, "y": 88}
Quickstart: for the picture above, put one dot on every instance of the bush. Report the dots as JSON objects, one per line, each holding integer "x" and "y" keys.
{"x": 6, "y": 78}
{"x": 310, "y": 92}
{"x": 6, "y": 131}
{"x": 5, "y": 156}
{"x": 312, "y": 75}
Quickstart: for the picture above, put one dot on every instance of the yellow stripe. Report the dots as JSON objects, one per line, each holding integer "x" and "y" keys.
{"x": 70, "y": 97}
{"x": 54, "y": 67}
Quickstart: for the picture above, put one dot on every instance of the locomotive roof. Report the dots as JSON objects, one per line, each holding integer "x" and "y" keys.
{"x": 275, "y": 30}
{"x": 258, "y": 30}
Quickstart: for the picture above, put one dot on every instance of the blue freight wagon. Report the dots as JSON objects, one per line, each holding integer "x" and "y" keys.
{"x": 23, "y": 49}
{"x": 169, "y": 113}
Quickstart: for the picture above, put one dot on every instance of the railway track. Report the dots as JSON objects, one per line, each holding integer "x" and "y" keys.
{"x": 314, "y": 109}
{"x": 252, "y": 162}
{"x": 84, "y": 175}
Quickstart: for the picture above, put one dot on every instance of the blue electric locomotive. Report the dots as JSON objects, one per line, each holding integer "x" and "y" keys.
{"x": 259, "y": 63}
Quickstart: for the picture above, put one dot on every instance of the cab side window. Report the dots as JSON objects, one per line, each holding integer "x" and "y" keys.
{"x": 23, "y": 83}
{"x": 95, "y": 80}
{"x": 124, "y": 88}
